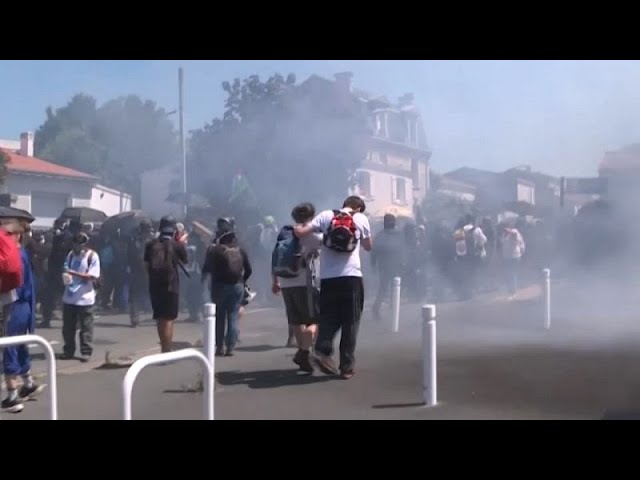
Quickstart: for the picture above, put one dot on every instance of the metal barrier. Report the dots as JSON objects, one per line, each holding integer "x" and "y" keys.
{"x": 395, "y": 304}
{"x": 159, "y": 358}
{"x": 429, "y": 356}
{"x": 51, "y": 365}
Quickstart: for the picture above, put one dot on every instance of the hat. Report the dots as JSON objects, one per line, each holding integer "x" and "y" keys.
{"x": 17, "y": 213}
{"x": 225, "y": 224}
{"x": 167, "y": 225}
{"x": 80, "y": 238}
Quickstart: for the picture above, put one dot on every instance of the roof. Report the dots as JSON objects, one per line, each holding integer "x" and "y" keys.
{"x": 472, "y": 175}
{"x": 22, "y": 164}
{"x": 627, "y": 158}
{"x": 451, "y": 183}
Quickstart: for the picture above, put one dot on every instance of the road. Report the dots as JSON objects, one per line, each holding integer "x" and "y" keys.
{"x": 495, "y": 362}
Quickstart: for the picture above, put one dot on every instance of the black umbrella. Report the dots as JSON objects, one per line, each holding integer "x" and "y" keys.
{"x": 83, "y": 215}
{"x": 126, "y": 222}
{"x": 10, "y": 212}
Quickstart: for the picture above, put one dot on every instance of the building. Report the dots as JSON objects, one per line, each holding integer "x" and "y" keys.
{"x": 394, "y": 175}
{"x": 493, "y": 189}
{"x": 455, "y": 189}
{"x": 619, "y": 174}
{"x": 45, "y": 189}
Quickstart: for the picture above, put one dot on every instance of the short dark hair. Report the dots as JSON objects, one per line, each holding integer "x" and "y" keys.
{"x": 303, "y": 212}
{"x": 355, "y": 203}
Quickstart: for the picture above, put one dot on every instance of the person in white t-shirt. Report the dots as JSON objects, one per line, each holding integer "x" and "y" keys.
{"x": 300, "y": 293}
{"x": 513, "y": 248}
{"x": 81, "y": 271}
{"x": 341, "y": 288}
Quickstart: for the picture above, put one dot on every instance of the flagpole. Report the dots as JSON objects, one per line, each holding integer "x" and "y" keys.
{"x": 182, "y": 139}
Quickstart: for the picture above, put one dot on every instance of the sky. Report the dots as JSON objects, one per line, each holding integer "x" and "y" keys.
{"x": 557, "y": 116}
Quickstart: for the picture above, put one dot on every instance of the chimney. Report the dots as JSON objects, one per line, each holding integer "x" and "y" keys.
{"x": 26, "y": 144}
{"x": 343, "y": 81}
{"x": 406, "y": 100}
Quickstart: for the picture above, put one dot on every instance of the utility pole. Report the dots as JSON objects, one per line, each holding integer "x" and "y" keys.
{"x": 182, "y": 138}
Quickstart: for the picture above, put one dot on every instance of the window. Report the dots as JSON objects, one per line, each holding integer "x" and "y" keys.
{"x": 415, "y": 173}
{"x": 400, "y": 190}
{"x": 384, "y": 159}
{"x": 364, "y": 184}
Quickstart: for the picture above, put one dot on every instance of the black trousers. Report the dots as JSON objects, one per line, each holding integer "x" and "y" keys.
{"x": 52, "y": 295}
{"x": 138, "y": 295}
{"x": 76, "y": 317}
{"x": 341, "y": 304}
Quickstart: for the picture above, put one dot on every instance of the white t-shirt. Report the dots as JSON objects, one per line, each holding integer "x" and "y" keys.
{"x": 340, "y": 264}
{"x": 310, "y": 244}
{"x": 81, "y": 292}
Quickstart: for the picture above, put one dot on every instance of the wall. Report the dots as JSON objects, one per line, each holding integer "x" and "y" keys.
{"x": 383, "y": 190}
{"x": 73, "y": 193}
{"x": 110, "y": 201}
{"x": 155, "y": 187}
{"x": 526, "y": 193}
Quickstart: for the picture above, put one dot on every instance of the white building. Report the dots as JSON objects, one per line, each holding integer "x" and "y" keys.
{"x": 394, "y": 176}
{"x": 45, "y": 189}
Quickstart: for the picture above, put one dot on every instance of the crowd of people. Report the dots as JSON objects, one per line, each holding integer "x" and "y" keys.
{"x": 314, "y": 263}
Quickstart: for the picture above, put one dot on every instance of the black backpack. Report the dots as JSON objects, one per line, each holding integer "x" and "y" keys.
{"x": 233, "y": 262}
{"x": 162, "y": 265}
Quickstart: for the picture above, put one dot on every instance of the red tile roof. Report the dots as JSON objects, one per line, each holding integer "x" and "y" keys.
{"x": 20, "y": 163}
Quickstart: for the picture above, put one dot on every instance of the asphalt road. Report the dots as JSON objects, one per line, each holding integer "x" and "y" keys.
{"x": 495, "y": 361}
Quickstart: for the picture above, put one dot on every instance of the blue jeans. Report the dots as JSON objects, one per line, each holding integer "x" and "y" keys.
{"x": 512, "y": 265}
{"x": 16, "y": 359}
{"x": 227, "y": 298}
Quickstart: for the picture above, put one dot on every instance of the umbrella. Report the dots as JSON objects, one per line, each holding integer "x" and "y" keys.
{"x": 83, "y": 215}
{"x": 126, "y": 222}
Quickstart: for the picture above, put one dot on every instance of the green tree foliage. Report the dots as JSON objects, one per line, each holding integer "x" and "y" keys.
{"x": 4, "y": 161}
{"x": 292, "y": 144}
{"x": 116, "y": 141}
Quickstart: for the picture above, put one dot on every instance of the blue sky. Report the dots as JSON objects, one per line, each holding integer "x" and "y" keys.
{"x": 558, "y": 116}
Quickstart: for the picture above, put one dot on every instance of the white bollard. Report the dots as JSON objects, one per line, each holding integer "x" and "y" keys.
{"x": 547, "y": 298}
{"x": 395, "y": 303}
{"x": 429, "y": 357}
{"x": 209, "y": 333}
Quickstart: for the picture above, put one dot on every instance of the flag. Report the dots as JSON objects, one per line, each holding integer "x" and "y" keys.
{"x": 239, "y": 187}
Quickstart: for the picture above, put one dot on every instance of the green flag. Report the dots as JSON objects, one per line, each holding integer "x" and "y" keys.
{"x": 239, "y": 187}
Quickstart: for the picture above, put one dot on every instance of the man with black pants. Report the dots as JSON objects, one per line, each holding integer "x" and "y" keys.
{"x": 341, "y": 287}
{"x": 81, "y": 271}
{"x": 138, "y": 276}
{"x": 389, "y": 259}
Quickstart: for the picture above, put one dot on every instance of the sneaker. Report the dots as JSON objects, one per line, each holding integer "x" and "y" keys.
{"x": 219, "y": 352}
{"x": 301, "y": 358}
{"x": 229, "y": 352}
{"x": 12, "y": 406}
{"x": 326, "y": 365}
{"x": 65, "y": 356}
{"x": 347, "y": 374}
{"x": 85, "y": 358}
{"x": 26, "y": 393}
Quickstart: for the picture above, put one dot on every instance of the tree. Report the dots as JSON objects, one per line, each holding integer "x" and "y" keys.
{"x": 291, "y": 144}
{"x": 116, "y": 141}
{"x": 4, "y": 168}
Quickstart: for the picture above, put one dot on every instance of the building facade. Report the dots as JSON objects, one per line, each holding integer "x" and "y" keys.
{"x": 394, "y": 175}
{"x": 45, "y": 189}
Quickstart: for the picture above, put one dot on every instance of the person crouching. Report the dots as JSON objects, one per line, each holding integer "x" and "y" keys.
{"x": 16, "y": 360}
